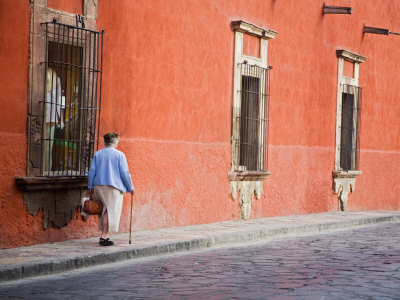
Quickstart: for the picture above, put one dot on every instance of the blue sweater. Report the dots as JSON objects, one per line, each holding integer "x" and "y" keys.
{"x": 109, "y": 167}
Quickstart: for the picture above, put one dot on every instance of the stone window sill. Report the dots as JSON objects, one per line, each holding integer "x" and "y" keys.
{"x": 32, "y": 184}
{"x": 248, "y": 175}
{"x": 346, "y": 174}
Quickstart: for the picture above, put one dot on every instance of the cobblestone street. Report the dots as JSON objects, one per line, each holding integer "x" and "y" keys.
{"x": 353, "y": 264}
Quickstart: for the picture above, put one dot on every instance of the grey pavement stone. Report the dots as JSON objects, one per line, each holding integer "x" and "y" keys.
{"x": 24, "y": 262}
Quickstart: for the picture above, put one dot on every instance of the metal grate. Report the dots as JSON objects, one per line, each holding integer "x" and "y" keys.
{"x": 350, "y": 128}
{"x": 253, "y": 118}
{"x": 72, "y": 101}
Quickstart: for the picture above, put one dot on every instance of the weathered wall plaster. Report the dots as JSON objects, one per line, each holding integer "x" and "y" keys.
{"x": 167, "y": 88}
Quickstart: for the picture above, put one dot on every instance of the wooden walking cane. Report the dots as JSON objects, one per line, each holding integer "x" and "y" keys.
{"x": 130, "y": 225}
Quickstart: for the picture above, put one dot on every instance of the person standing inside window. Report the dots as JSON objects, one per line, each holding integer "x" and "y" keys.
{"x": 109, "y": 178}
{"x": 53, "y": 115}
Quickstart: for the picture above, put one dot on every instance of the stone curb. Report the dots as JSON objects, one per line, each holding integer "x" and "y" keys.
{"x": 55, "y": 266}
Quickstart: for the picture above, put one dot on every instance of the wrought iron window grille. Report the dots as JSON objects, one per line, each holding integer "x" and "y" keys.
{"x": 73, "y": 65}
{"x": 350, "y": 127}
{"x": 253, "y": 118}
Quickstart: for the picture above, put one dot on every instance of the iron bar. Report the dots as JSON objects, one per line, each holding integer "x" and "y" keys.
{"x": 69, "y": 26}
{"x": 82, "y": 106}
{"x": 70, "y": 96}
{"x": 101, "y": 80}
{"x": 44, "y": 104}
{"x": 83, "y": 88}
{"x": 358, "y": 129}
{"x": 93, "y": 89}
{"x": 61, "y": 151}
{"x": 90, "y": 91}
{"x": 96, "y": 74}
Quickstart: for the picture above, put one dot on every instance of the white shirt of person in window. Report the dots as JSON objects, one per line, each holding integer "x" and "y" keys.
{"x": 54, "y": 99}
{"x": 55, "y": 102}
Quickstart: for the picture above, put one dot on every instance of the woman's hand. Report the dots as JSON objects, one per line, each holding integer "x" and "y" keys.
{"x": 132, "y": 192}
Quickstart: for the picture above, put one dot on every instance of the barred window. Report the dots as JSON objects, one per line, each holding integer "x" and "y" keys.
{"x": 250, "y": 111}
{"x": 72, "y": 101}
{"x": 350, "y": 127}
{"x": 252, "y": 141}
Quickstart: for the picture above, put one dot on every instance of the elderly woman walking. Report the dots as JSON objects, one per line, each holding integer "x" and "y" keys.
{"x": 109, "y": 178}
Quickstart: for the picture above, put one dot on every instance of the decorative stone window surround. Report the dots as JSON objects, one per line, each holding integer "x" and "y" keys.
{"x": 344, "y": 181}
{"x": 40, "y": 13}
{"x": 246, "y": 183}
{"x": 58, "y": 197}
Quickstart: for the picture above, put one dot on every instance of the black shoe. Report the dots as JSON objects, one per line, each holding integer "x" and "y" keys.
{"x": 106, "y": 242}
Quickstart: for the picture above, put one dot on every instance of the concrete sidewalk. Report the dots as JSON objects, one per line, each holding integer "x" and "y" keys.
{"x": 23, "y": 262}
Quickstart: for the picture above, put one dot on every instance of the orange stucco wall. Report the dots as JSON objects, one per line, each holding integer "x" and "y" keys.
{"x": 167, "y": 88}
{"x": 14, "y": 46}
{"x": 71, "y": 6}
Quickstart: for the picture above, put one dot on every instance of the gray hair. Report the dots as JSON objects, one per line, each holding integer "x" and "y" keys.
{"x": 111, "y": 138}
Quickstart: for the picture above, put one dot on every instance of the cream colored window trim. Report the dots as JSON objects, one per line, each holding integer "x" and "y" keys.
{"x": 240, "y": 28}
{"x": 244, "y": 184}
{"x": 350, "y": 56}
{"x": 245, "y": 27}
{"x": 41, "y": 13}
{"x": 343, "y": 80}
{"x": 344, "y": 181}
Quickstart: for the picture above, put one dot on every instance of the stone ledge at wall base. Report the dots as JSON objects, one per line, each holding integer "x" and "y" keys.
{"x": 344, "y": 182}
{"x": 248, "y": 184}
{"x": 58, "y": 197}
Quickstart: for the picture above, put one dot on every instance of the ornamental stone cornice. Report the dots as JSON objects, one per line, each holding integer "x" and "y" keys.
{"x": 254, "y": 30}
{"x": 350, "y": 56}
{"x": 344, "y": 183}
{"x": 245, "y": 191}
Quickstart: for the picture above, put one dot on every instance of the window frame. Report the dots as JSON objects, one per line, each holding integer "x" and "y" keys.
{"x": 342, "y": 82}
{"x": 344, "y": 181}
{"x": 240, "y": 28}
{"x": 57, "y": 197}
{"x": 33, "y": 179}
